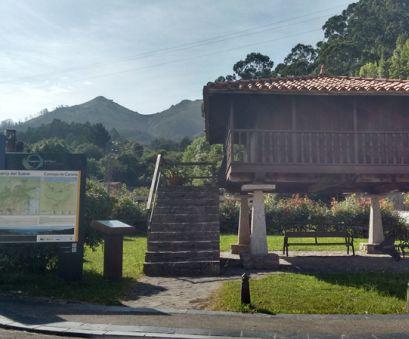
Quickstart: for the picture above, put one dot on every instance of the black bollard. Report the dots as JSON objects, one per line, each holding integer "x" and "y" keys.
{"x": 245, "y": 289}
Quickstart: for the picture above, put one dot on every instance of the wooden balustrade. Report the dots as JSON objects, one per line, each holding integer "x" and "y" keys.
{"x": 317, "y": 147}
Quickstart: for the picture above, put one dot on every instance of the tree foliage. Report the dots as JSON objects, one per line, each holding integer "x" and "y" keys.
{"x": 365, "y": 32}
{"x": 356, "y": 41}
{"x": 397, "y": 66}
{"x": 254, "y": 66}
{"x": 300, "y": 61}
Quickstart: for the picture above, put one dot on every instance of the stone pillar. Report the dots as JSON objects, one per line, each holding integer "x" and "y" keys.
{"x": 244, "y": 227}
{"x": 375, "y": 236}
{"x": 258, "y": 256}
{"x": 258, "y": 237}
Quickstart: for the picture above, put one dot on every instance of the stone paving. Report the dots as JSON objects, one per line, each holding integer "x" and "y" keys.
{"x": 194, "y": 293}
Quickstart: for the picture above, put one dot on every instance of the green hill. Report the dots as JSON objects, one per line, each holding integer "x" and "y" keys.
{"x": 181, "y": 120}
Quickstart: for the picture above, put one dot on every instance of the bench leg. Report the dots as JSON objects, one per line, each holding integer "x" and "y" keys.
{"x": 284, "y": 243}
{"x": 347, "y": 244}
{"x": 352, "y": 245}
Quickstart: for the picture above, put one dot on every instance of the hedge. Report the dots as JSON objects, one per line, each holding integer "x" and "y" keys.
{"x": 302, "y": 213}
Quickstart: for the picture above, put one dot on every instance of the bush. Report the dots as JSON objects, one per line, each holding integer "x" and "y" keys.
{"x": 229, "y": 216}
{"x": 302, "y": 213}
{"x": 127, "y": 210}
{"x": 98, "y": 206}
{"x": 34, "y": 258}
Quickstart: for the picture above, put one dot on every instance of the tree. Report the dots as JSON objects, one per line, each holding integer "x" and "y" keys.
{"x": 300, "y": 61}
{"x": 399, "y": 61}
{"x": 100, "y": 136}
{"x": 254, "y": 66}
{"x": 222, "y": 78}
{"x": 361, "y": 34}
{"x": 369, "y": 70}
{"x": 397, "y": 66}
{"x": 50, "y": 146}
{"x": 201, "y": 151}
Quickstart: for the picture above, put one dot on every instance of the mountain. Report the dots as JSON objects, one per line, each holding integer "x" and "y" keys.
{"x": 181, "y": 120}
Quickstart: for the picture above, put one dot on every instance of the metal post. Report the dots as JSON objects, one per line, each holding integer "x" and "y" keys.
{"x": 11, "y": 140}
{"x": 245, "y": 289}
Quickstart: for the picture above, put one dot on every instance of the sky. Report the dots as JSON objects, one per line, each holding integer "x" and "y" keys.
{"x": 144, "y": 54}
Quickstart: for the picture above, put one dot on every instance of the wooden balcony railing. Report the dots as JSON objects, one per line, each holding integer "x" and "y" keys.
{"x": 317, "y": 147}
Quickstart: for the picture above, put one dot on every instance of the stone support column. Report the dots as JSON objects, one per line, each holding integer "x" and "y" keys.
{"x": 375, "y": 235}
{"x": 244, "y": 227}
{"x": 258, "y": 256}
{"x": 258, "y": 237}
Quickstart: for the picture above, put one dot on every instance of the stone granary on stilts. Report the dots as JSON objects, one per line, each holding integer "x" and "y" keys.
{"x": 307, "y": 135}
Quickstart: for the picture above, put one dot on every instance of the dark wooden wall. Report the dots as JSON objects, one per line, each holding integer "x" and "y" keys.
{"x": 325, "y": 113}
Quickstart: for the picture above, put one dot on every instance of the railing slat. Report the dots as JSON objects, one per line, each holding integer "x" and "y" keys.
{"x": 318, "y": 147}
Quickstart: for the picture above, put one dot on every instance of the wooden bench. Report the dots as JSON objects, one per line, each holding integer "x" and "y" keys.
{"x": 348, "y": 239}
{"x": 402, "y": 247}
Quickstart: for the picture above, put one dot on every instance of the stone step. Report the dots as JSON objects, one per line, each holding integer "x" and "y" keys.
{"x": 183, "y": 236}
{"x": 184, "y": 226}
{"x": 203, "y": 245}
{"x": 182, "y": 268}
{"x": 204, "y": 188}
{"x": 171, "y": 202}
{"x": 183, "y": 217}
{"x": 195, "y": 209}
{"x": 170, "y": 256}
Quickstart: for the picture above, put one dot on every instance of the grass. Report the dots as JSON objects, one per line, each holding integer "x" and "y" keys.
{"x": 325, "y": 294}
{"x": 275, "y": 243}
{"x": 93, "y": 287}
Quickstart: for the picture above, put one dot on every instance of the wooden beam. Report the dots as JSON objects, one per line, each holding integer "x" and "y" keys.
{"x": 355, "y": 118}
{"x": 294, "y": 128}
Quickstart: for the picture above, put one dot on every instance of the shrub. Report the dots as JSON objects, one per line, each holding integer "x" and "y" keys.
{"x": 34, "y": 258}
{"x": 302, "y": 213}
{"x": 229, "y": 216}
{"x": 98, "y": 205}
{"x": 127, "y": 210}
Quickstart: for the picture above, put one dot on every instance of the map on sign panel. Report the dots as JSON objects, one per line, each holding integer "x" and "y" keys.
{"x": 40, "y": 204}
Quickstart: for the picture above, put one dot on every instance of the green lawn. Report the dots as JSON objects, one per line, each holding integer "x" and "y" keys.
{"x": 275, "y": 243}
{"x": 93, "y": 288}
{"x": 325, "y": 294}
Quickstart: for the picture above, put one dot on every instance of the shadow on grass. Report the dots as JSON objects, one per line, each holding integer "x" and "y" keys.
{"x": 381, "y": 274}
{"x": 386, "y": 284}
{"x": 93, "y": 288}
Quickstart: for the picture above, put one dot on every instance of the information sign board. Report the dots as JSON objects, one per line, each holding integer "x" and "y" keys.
{"x": 39, "y": 206}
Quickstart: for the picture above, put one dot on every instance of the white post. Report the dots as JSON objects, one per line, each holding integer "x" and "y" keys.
{"x": 258, "y": 237}
{"x": 375, "y": 222}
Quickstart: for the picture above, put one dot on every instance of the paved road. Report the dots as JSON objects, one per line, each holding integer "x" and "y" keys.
{"x": 108, "y": 320}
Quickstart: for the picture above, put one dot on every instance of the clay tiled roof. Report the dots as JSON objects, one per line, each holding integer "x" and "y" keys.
{"x": 315, "y": 84}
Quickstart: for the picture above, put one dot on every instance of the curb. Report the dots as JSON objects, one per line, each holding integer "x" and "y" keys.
{"x": 84, "y": 330}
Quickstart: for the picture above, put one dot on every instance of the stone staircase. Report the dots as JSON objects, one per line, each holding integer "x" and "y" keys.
{"x": 183, "y": 239}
